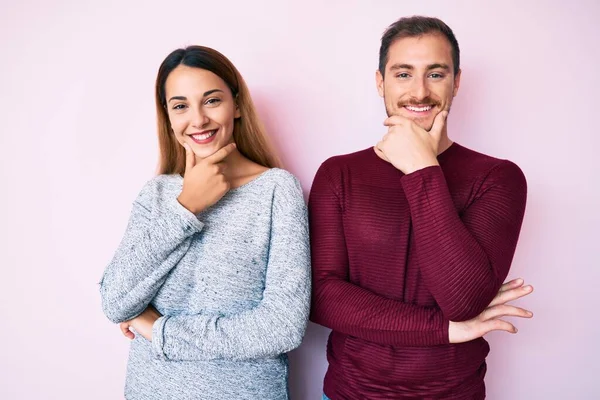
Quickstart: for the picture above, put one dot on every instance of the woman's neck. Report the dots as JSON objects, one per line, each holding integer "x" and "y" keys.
{"x": 240, "y": 170}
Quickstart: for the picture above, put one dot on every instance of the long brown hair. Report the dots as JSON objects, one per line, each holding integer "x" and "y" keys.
{"x": 248, "y": 131}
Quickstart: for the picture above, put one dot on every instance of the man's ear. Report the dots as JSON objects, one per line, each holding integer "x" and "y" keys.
{"x": 379, "y": 81}
{"x": 456, "y": 83}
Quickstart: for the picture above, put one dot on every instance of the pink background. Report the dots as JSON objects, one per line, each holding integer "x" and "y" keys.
{"x": 78, "y": 141}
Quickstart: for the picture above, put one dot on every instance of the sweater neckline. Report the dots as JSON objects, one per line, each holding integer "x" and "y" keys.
{"x": 246, "y": 185}
{"x": 253, "y": 181}
{"x": 441, "y": 157}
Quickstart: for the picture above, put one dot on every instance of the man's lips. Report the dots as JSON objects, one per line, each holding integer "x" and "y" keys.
{"x": 420, "y": 108}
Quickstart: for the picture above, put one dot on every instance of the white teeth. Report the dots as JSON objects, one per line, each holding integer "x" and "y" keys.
{"x": 419, "y": 109}
{"x": 204, "y": 136}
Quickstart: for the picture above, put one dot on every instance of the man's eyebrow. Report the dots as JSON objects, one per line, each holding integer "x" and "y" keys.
{"x": 401, "y": 66}
{"x": 439, "y": 66}
{"x": 430, "y": 66}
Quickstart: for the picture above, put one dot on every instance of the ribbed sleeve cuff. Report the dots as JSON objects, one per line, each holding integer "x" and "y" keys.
{"x": 158, "y": 338}
{"x": 415, "y": 180}
{"x": 186, "y": 216}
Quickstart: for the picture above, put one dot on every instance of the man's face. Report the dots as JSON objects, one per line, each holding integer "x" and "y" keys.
{"x": 419, "y": 80}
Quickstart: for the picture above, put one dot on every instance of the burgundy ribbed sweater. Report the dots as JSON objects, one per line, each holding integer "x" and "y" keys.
{"x": 395, "y": 257}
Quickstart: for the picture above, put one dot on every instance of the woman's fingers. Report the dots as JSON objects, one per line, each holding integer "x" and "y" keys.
{"x": 124, "y": 326}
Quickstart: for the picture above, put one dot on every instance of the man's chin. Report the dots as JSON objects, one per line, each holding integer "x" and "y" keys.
{"x": 424, "y": 123}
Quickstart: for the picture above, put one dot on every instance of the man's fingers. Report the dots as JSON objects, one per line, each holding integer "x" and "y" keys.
{"x": 511, "y": 284}
{"x": 190, "y": 158}
{"x": 379, "y": 152}
{"x": 221, "y": 154}
{"x": 505, "y": 310}
{"x": 511, "y": 295}
{"x": 395, "y": 120}
{"x": 438, "y": 125}
{"x": 500, "y": 325}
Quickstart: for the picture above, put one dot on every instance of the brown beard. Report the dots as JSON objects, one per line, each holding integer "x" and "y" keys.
{"x": 416, "y": 120}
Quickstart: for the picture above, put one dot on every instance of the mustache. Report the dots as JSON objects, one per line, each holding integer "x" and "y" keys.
{"x": 418, "y": 102}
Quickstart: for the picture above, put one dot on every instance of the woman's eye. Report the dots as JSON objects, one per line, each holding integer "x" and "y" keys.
{"x": 213, "y": 101}
{"x": 179, "y": 106}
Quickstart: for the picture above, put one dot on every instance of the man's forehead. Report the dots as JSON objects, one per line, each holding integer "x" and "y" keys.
{"x": 424, "y": 49}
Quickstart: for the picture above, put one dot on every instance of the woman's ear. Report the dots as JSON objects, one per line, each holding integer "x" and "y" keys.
{"x": 238, "y": 114}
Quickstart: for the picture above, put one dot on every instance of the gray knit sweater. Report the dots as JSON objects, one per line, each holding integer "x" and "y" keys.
{"x": 232, "y": 284}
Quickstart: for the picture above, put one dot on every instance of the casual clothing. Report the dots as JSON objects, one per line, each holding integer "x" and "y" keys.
{"x": 232, "y": 284}
{"x": 396, "y": 257}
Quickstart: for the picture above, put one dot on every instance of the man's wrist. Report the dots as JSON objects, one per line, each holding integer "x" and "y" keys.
{"x": 420, "y": 166}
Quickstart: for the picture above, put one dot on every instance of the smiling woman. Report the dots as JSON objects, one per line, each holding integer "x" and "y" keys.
{"x": 186, "y": 80}
{"x": 213, "y": 273}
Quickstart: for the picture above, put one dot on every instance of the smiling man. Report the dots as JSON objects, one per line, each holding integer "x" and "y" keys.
{"x": 413, "y": 238}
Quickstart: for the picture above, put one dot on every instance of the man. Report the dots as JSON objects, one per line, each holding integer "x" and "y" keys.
{"x": 412, "y": 239}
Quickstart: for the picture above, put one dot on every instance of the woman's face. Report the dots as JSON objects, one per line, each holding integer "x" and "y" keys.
{"x": 201, "y": 109}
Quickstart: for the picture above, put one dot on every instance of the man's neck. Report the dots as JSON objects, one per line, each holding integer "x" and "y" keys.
{"x": 445, "y": 143}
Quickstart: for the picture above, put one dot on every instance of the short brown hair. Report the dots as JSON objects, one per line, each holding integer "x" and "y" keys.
{"x": 413, "y": 27}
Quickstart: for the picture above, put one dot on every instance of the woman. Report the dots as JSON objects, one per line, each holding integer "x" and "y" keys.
{"x": 213, "y": 272}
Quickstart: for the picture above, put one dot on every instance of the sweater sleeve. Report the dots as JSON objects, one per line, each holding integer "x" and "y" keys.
{"x": 157, "y": 236}
{"x": 277, "y": 324}
{"x": 347, "y": 308}
{"x": 465, "y": 258}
